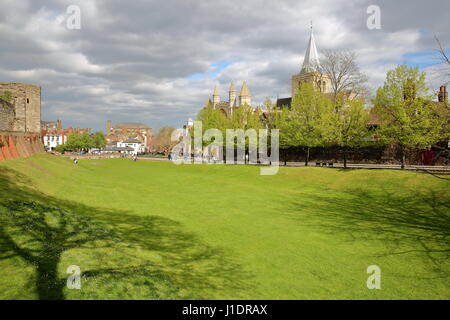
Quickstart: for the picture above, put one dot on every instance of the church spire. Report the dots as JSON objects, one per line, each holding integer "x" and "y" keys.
{"x": 216, "y": 97}
{"x": 216, "y": 91}
{"x": 244, "y": 95}
{"x": 232, "y": 89}
{"x": 311, "y": 62}
{"x": 232, "y": 95}
{"x": 244, "y": 90}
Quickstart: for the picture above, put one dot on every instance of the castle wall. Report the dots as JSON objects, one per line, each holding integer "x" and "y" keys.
{"x": 26, "y": 99}
{"x": 19, "y": 144}
{"x": 6, "y": 116}
{"x": 20, "y": 121}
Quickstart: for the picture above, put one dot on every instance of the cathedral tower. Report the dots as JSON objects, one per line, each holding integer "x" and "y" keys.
{"x": 311, "y": 70}
{"x": 232, "y": 95}
{"x": 244, "y": 95}
{"x": 216, "y": 97}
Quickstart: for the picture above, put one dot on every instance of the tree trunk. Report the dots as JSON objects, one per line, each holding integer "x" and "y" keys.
{"x": 307, "y": 157}
{"x": 345, "y": 158}
{"x": 403, "y": 157}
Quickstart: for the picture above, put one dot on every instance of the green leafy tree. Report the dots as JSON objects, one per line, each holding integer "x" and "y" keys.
{"x": 98, "y": 140}
{"x": 310, "y": 122}
{"x": 86, "y": 141}
{"x": 408, "y": 116}
{"x": 272, "y": 114}
{"x": 61, "y": 148}
{"x": 244, "y": 117}
{"x": 352, "y": 127}
{"x": 73, "y": 142}
{"x": 213, "y": 118}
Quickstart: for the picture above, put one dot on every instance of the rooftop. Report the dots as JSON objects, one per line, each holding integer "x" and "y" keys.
{"x": 131, "y": 140}
{"x": 131, "y": 125}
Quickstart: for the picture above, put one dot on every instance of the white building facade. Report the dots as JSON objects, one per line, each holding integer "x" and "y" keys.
{"x": 51, "y": 141}
{"x": 135, "y": 144}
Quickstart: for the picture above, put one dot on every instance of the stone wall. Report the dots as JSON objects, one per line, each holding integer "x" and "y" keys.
{"x": 18, "y": 145}
{"x": 26, "y": 99}
{"x": 6, "y": 116}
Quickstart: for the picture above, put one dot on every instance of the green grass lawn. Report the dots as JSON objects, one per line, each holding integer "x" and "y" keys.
{"x": 155, "y": 230}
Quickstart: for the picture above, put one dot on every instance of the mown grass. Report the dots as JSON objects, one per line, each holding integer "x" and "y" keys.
{"x": 155, "y": 230}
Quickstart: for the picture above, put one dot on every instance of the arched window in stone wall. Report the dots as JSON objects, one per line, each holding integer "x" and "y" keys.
{"x": 224, "y": 112}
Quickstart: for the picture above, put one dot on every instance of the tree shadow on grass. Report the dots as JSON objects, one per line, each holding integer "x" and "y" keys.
{"x": 408, "y": 222}
{"x": 151, "y": 255}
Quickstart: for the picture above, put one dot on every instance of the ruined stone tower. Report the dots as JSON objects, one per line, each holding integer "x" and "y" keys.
{"x": 26, "y": 99}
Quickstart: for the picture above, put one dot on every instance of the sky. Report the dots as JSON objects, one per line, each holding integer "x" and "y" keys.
{"x": 157, "y": 62}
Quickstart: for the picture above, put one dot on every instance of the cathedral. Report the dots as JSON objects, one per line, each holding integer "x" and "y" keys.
{"x": 311, "y": 71}
{"x": 227, "y": 107}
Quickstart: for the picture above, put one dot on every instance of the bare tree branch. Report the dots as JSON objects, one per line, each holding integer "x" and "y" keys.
{"x": 442, "y": 52}
{"x": 345, "y": 75}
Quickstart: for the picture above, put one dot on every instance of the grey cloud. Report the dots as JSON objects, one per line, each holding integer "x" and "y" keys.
{"x": 132, "y": 60}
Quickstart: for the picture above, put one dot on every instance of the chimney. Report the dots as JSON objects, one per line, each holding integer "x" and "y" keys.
{"x": 443, "y": 94}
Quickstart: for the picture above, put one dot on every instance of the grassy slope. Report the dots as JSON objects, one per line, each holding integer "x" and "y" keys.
{"x": 159, "y": 231}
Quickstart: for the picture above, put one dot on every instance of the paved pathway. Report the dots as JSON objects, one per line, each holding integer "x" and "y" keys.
{"x": 349, "y": 165}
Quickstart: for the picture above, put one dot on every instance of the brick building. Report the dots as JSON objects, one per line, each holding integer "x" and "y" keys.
{"x": 129, "y": 130}
{"x": 53, "y": 134}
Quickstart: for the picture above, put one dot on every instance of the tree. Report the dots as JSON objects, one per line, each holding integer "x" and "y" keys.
{"x": 347, "y": 81}
{"x": 213, "y": 119}
{"x": 61, "y": 148}
{"x": 162, "y": 142}
{"x": 244, "y": 117}
{"x": 445, "y": 60}
{"x": 310, "y": 122}
{"x": 352, "y": 126}
{"x": 442, "y": 52}
{"x": 74, "y": 142}
{"x": 408, "y": 116}
{"x": 86, "y": 141}
{"x": 271, "y": 115}
{"x": 98, "y": 140}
